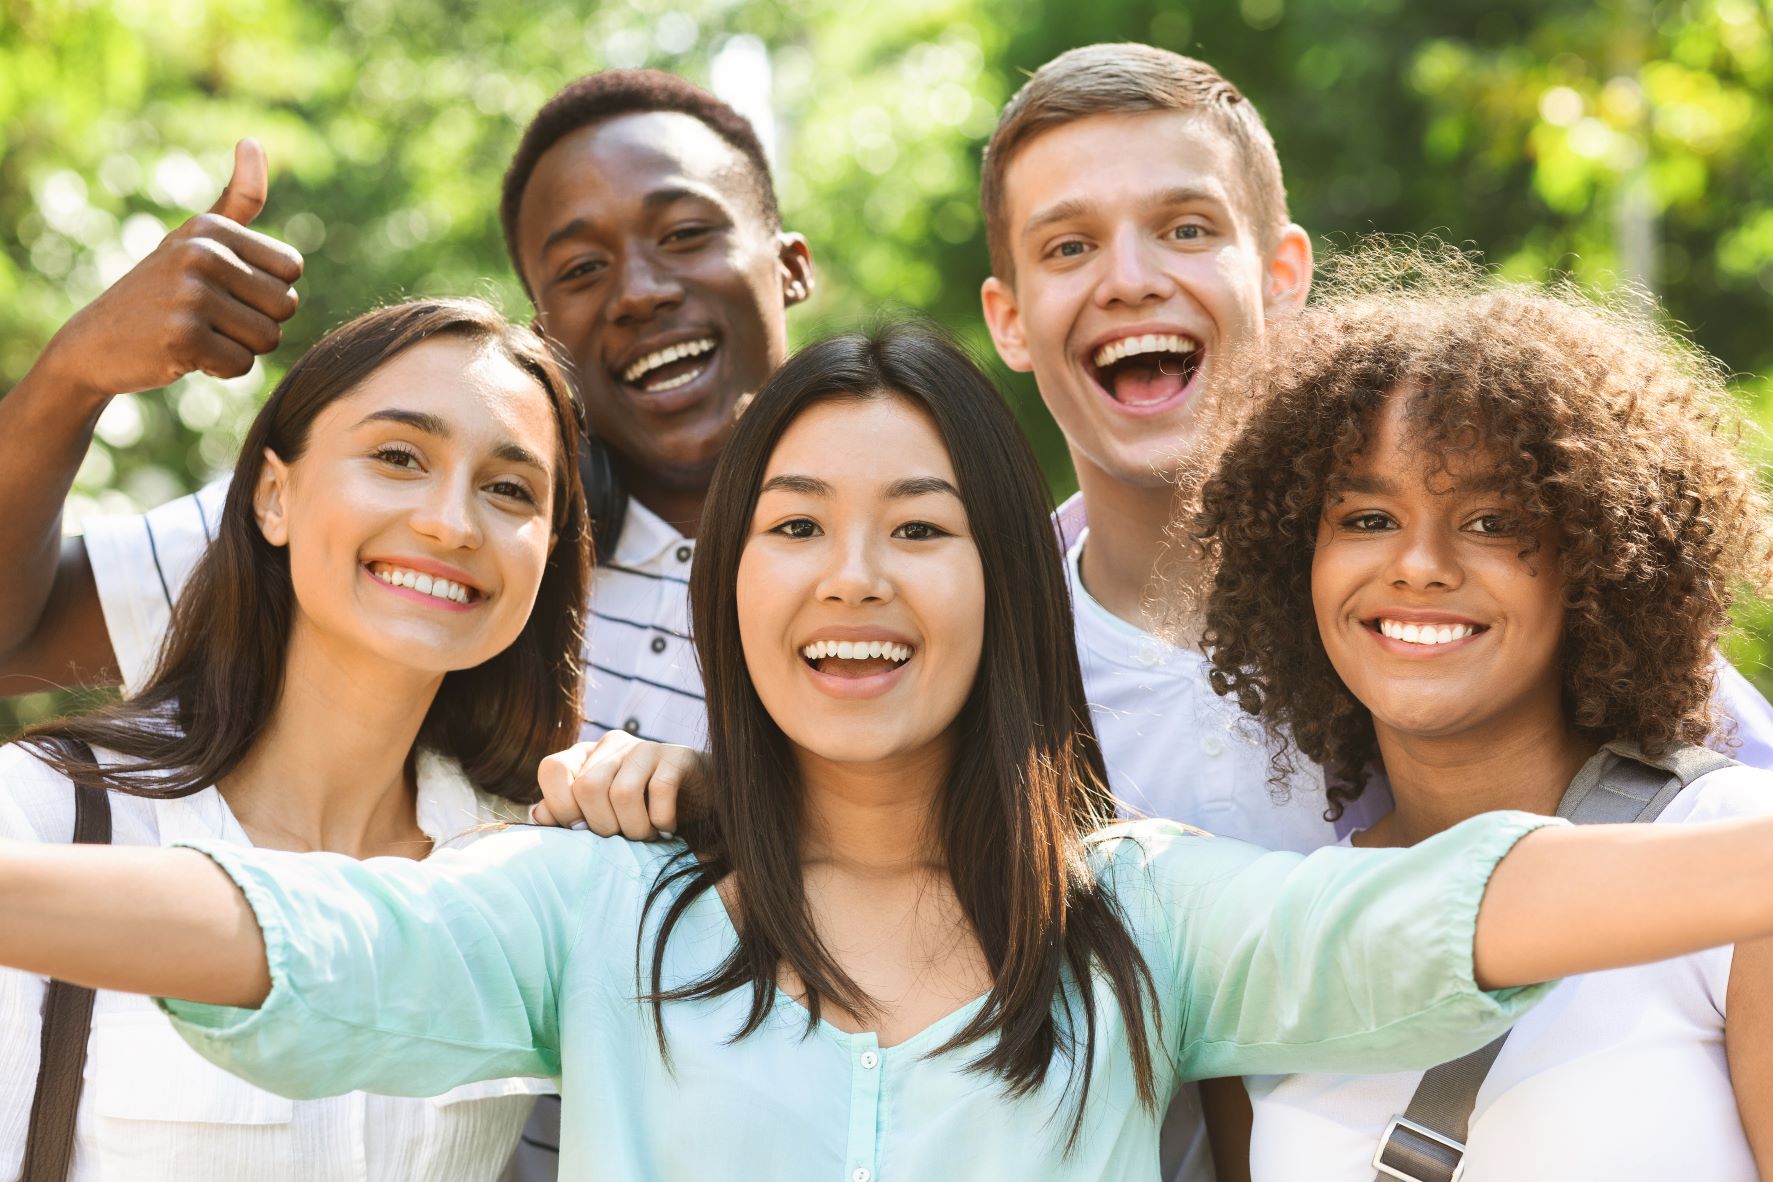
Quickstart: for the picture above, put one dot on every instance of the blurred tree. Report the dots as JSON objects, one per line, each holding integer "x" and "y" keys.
{"x": 1624, "y": 140}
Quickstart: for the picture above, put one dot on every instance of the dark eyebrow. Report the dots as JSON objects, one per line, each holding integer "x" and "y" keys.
{"x": 921, "y": 486}
{"x": 652, "y": 202}
{"x": 418, "y": 420}
{"x": 660, "y": 198}
{"x": 1378, "y": 486}
{"x": 812, "y": 486}
{"x": 431, "y": 424}
{"x": 576, "y": 226}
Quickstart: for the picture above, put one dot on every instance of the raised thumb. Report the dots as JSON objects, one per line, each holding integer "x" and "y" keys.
{"x": 245, "y": 194}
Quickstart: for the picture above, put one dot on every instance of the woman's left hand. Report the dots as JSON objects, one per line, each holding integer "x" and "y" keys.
{"x": 617, "y": 786}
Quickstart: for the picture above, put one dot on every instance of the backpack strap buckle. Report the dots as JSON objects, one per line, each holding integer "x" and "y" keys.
{"x": 1411, "y": 1152}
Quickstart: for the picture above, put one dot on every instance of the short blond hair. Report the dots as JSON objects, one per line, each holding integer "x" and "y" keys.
{"x": 1121, "y": 79}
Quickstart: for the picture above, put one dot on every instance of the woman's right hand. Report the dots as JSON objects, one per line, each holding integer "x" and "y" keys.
{"x": 618, "y": 786}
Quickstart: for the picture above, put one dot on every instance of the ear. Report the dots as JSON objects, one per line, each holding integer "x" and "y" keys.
{"x": 1288, "y": 280}
{"x": 795, "y": 258}
{"x": 1003, "y": 316}
{"x": 269, "y": 499}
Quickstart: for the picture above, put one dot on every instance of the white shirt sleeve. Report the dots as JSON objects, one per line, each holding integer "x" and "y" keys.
{"x": 36, "y": 805}
{"x": 141, "y": 564}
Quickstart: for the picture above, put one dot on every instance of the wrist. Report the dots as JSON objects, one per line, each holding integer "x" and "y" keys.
{"x": 56, "y": 384}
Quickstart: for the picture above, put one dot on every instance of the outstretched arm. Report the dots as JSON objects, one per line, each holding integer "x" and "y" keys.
{"x": 140, "y": 920}
{"x": 1576, "y": 900}
{"x": 210, "y": 297}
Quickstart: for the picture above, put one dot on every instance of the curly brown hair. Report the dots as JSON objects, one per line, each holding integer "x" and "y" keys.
{"x": 1602, "y": 424}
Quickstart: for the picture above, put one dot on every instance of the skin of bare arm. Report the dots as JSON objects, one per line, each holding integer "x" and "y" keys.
{"x": 1226, "y": 1107}
{"x": 1570, "y": 901}
{"x": 210, "y": 297}
{"x": 166, "y": 922}
{"x": 1746, "y": 1038}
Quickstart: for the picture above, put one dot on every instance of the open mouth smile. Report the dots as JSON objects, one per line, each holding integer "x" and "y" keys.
{"x": 665, "y": 369}
{"x": 855, "y": 658}
{"x": 1146, "y": 371}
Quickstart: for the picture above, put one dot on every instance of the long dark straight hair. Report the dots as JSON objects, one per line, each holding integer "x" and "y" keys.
{"x": 221, "y": 667}
{"x": 1027, "y": 786}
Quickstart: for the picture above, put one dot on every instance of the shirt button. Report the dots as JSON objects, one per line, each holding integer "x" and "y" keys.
{"x": 1212, "y": 745}
{"x": 870, "y": 1060}
{"x": 861, "y": 1174}
{"x": 632, "y": 726}
{"x": 683, "y": 553}
{"x": 658, "y": 644}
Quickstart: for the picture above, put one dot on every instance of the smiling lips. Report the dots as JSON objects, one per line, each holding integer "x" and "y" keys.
{"x": 1146, "y": 370}
{"x": 670, "y": 367}
{"x": 1424, "y": 635}
{"x": 855, "y": 658}
{"x": 424, "y": 584}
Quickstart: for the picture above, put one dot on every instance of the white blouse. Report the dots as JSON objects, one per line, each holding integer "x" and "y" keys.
{"x": 152, "y": 1110}
{"x": 1618, "y": 1076}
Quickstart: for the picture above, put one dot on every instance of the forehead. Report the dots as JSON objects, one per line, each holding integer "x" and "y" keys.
{"x": 1405, "y": 438}
{"x": 476, "y": 391}
{"x": 1117, "y": 161}
{"x": 603, "y": 171}
{"x": 862, "y": 443}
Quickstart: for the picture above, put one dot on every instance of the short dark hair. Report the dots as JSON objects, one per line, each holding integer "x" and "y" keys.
{"x": 609, "y": 93}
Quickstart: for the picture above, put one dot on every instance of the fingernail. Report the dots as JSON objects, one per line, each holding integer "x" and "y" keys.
{"x": 581, "y": 825}
{"x": 532, "y": 815}
{"x": 667, "y": 835}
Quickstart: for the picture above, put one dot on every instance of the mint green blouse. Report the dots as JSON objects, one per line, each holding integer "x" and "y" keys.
{"x": 516, "y": 957}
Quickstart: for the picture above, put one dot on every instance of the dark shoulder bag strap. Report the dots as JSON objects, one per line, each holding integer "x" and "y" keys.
{"x": 67, "y": 1021}
{"x": 1619, "y": 785}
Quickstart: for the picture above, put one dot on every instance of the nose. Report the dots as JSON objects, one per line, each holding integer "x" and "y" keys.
{"x": 854, "y": 574}
{"x": 648, "y": 286}
{"x": 1425, "y": 559}
{"x": 448, "y": 513}
{"x": 1132, "y": 276}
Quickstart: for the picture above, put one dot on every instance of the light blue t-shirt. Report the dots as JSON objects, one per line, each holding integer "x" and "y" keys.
{"x": 517, "y": 957}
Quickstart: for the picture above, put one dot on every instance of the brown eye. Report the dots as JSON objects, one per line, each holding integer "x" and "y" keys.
{"x": 799, "y": 527}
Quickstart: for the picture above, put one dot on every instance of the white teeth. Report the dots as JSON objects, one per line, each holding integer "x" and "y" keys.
{"x": 1427, "y": 634}
{"x": 666, "y": 356}
{"x": 425, "y": 584}
{"x": 856, "y": 650}
{"x": 1161, "y": 342}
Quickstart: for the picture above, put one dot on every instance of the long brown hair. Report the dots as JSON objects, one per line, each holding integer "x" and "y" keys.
{"x": 221, "y": 667}
{"x": 1027, "y": 786}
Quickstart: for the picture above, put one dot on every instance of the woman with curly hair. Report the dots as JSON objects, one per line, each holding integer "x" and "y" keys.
{"x": 1477, "y": 542}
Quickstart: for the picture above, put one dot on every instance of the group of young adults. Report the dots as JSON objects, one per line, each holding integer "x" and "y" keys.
{"x": 853, "y": 712}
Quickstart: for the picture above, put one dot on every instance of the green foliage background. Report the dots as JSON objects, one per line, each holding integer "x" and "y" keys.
{"x": 1619, "y": 139}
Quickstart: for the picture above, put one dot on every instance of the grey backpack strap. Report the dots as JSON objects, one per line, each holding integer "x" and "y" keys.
{"x": 1619, "y": 784}
{"x": 67, "y": 1022}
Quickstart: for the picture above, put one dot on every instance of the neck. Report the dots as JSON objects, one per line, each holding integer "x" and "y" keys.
{"x": 1128, "y": 528}
{"x": 678, "y": 505}
{"x": 876, "y": 817}
{"x": 330, "y": 769}
{"x": 1437, "y": 782}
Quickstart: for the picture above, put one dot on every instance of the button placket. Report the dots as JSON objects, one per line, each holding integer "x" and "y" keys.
{"x": 866, "y": 1069}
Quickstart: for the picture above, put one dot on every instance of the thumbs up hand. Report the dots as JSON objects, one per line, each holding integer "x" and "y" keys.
{"x": 210, "y": 297}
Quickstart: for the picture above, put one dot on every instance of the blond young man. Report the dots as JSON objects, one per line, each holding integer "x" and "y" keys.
{"x": 1139, "y": 234}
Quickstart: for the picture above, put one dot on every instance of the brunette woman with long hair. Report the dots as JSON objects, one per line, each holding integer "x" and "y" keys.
{"x": 372, "y": 658}
{"x": 906, "y": 942}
